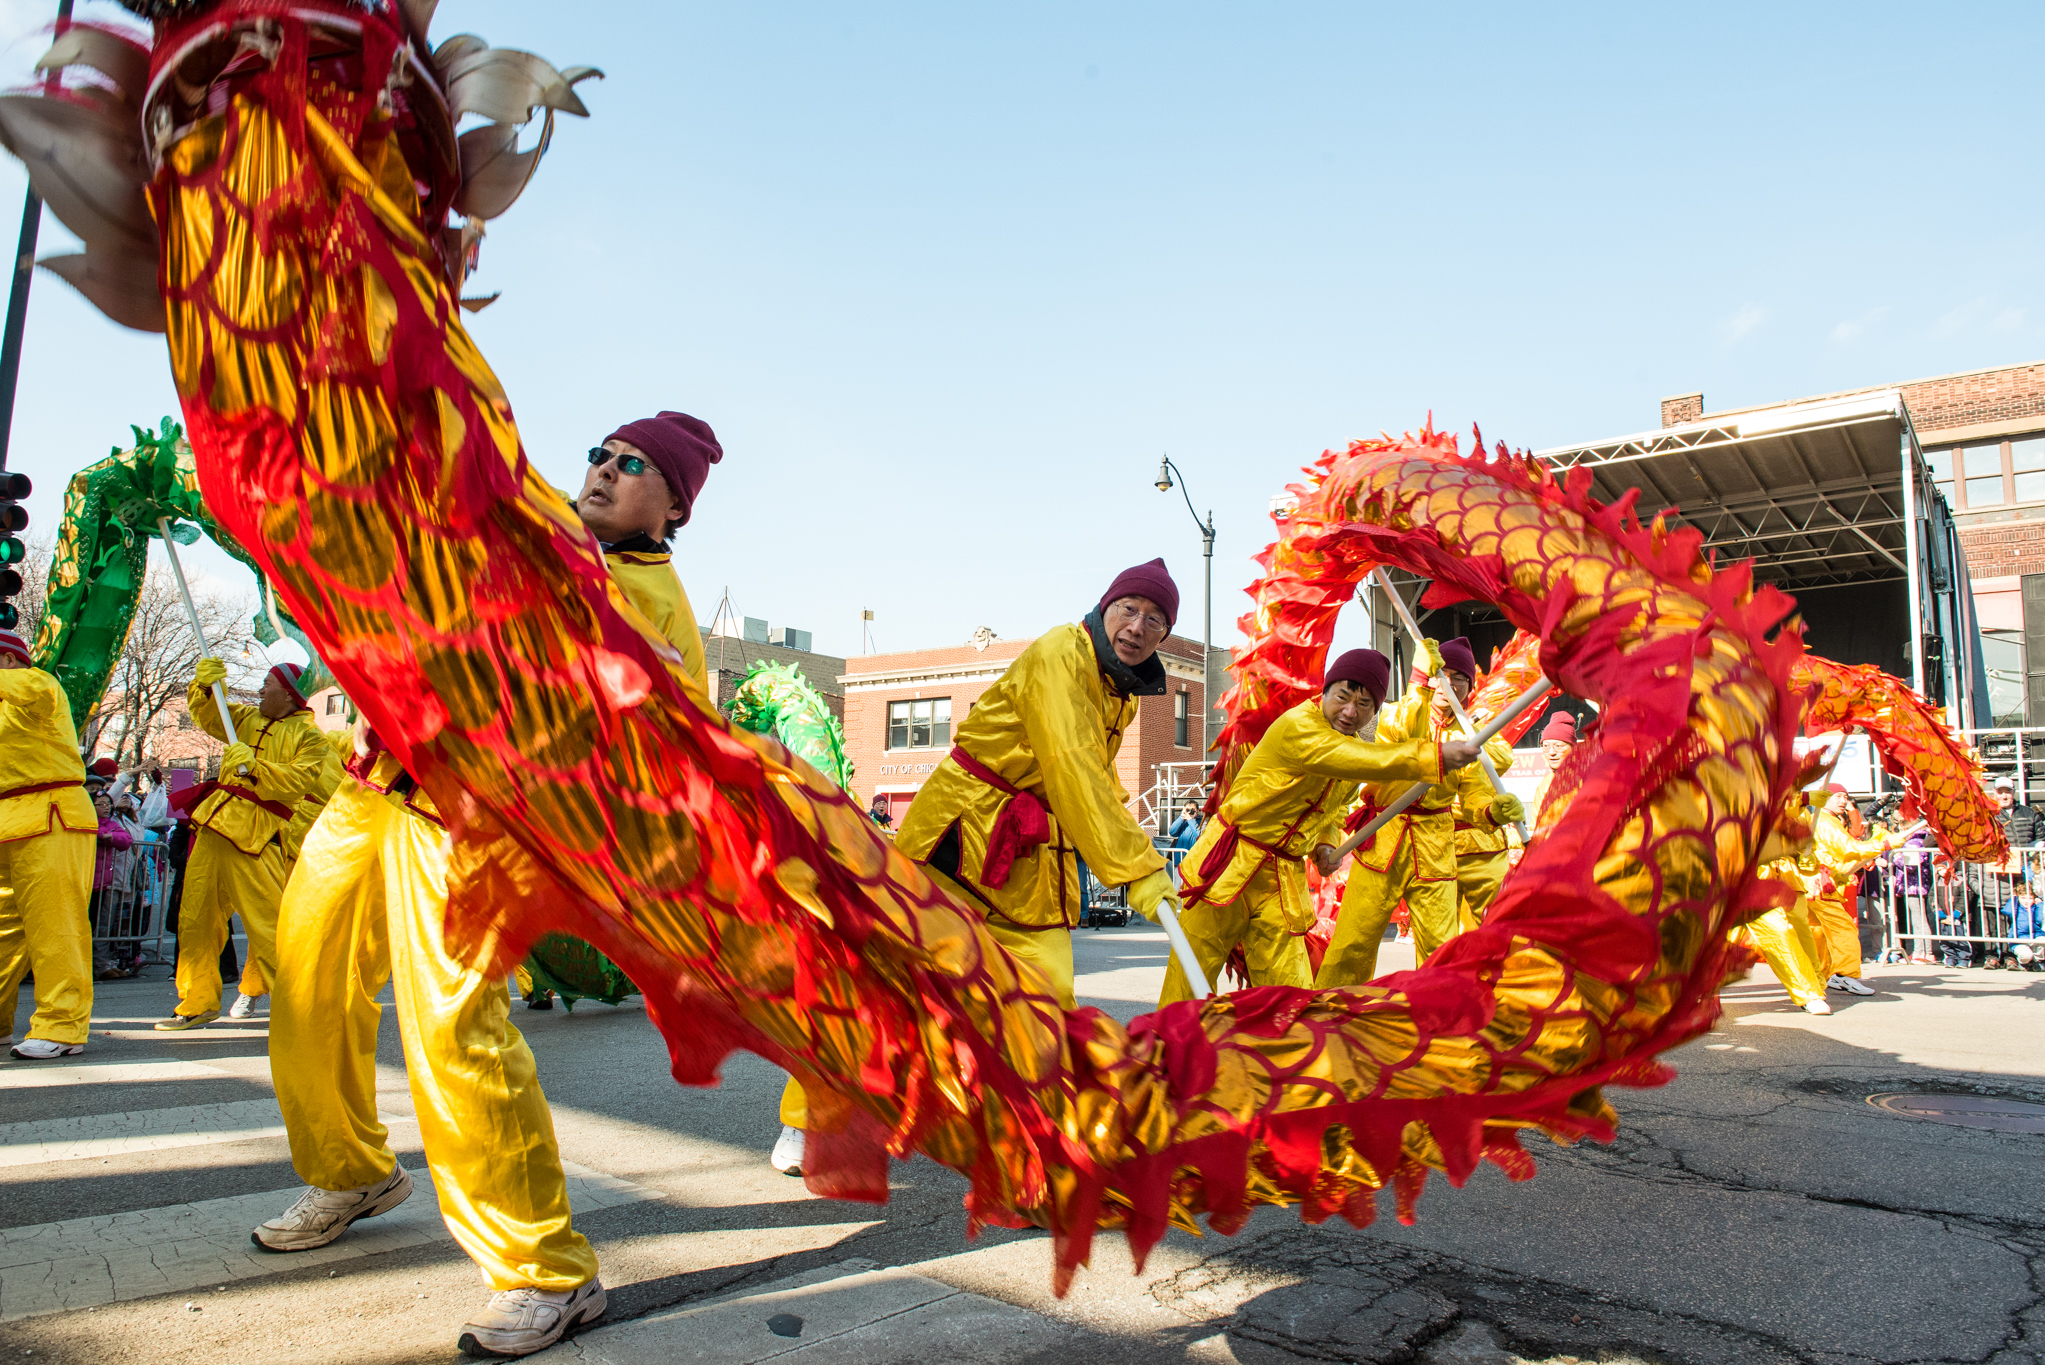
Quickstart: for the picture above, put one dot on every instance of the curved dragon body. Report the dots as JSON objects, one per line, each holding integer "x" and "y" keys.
{"x": 111, "y": 509}
{"x": 349, "y": 431}
{"x": 1941, "y": 773}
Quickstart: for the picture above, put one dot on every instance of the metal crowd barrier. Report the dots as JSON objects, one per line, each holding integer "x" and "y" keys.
{"x": 1970, "y": 911}
{"x": 130, "y": 891}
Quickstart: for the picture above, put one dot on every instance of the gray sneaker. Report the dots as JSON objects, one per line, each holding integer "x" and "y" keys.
{"x": 518, "y": 1322}
{"x": 320, "y": 1215}
{"x": 246, "y": 1006}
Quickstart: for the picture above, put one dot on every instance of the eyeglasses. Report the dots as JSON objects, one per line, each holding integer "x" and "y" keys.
{"x": 1124, "y": 613}
{"x": 627, "y": 464}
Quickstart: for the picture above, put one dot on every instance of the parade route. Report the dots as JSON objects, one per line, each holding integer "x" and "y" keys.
{"x": 1756, "y": 1209}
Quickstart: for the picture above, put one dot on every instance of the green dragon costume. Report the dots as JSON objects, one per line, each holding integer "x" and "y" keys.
{"x": 111, "y": 509}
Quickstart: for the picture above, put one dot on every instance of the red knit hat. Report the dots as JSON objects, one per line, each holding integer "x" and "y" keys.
{"x": 1560, "y": 729}
{"x": 1458, "y": 655}
{"x": 1150, "y": 580}
{"x": 681, "y": 447}
{"x": 1836, "y": 788}
{"x": 1367, "y": 668}
{"x": 104, "y": 767}
{"x": 10, "y": 643}
{"x": 289, "y": 673}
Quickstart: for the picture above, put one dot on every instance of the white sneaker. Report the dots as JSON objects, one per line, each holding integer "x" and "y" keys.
{"x": 246, "y": 1006}
{"x": 42, "y": 1050}
{"x": 319, "y": 1216}
{"x": 518, "y": 1322}
{"x": 1852, "y": 984}
{"x": 787, "y": 1157}
{"x": 1818, "y": 1007}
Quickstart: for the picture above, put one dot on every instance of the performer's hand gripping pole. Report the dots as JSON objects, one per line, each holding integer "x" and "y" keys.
{"x": 1462, "y": 716}
{"x": 1419, "y": 789}
{"x": 198, "y": 631}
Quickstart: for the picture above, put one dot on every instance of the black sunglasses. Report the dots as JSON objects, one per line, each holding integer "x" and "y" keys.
{"x": 627, "y": 464}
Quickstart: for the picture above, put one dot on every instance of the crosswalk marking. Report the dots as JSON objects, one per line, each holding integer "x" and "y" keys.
{"x": 36, "y": 1075}
{"x": 85, "y": 1262}
{"x": 141, "y": 1130}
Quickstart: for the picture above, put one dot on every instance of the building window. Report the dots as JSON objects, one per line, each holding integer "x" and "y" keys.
{"x": 1981, "y": 466}
{"x": 1179, "y": 718}
{"x": 1940, "y": 463}
{"x": 920, "y": 724}
{"x": 2002, "y": 655}
{"x": 2027, "y": 463}
{"x": 185, "y": 721}
{"x": 337, "y": 705}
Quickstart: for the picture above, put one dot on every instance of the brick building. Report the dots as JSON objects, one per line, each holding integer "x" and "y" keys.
{"x": 902, "y": 711}
{"x": 1982, "y": 433}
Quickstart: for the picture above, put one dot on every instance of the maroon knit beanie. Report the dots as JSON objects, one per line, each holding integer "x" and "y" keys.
{"x": 10, "y": 643}
{"x": 681, "y": 447}
{"x": 1458, "y": 655}
{"x": 1560, "y": 729}
{"x": 1145, "y": 580}
{"x": 1367, "y": 668}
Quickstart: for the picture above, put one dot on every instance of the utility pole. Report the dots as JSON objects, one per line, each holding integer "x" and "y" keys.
{"x": 24, "y": 274}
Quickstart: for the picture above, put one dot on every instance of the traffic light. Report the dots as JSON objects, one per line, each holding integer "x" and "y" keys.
{"x": 13, "y": 520}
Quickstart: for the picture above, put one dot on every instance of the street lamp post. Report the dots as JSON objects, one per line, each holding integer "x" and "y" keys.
{"x": 1165, "y": 470}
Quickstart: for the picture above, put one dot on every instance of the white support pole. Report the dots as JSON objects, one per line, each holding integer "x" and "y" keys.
{"x": 1419, "y": 789}
{"x": 198, "y": 631}
{"x": 1462, "y": 717}
{"x": 1182, "y": 949}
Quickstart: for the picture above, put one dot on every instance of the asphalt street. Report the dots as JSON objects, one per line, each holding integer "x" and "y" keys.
{"x": 1757, "y": 1209}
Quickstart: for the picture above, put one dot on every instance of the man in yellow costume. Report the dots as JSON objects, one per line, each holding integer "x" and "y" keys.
{"x": 47, "y": 829}
{"x": 238, "y": 863}
{"x": 366, "y": 904}
{"x": 254, "y": 986}
{"x": 1834, "y": 889}
{"x": 1245, "y": 877}
{"x": 1030, "y": 781}
{"x": 1483, "y": 846}
{"x": 1784, "y": 940}
{"x": 1413, "y": 858}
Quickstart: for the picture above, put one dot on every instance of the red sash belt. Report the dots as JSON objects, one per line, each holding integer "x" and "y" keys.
{"x": 39, "y": 787}
{"x": 280, "y": 811}
{"x": 1024, "y": 821}
{"x": 1217, "y": 860}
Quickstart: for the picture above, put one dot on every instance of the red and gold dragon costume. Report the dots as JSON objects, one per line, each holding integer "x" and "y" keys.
{"x": 297, "y": 171}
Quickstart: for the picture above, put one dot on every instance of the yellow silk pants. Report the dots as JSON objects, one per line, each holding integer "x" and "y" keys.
{"x": 1274, "y": 955}
{"x": 45, "y": 887}
{"x": 1478, "y": 877}
{"x": 1048, "y": 951}
{"x": 1838, "y": 925}
{"x": 365, "y": 906}
{"x": 1784, "y": 941}
{"x": 220, "y": 882}
{"x": 1367, "y": 905}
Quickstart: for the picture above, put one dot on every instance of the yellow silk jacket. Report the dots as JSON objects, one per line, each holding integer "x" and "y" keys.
{"x": 340, "y": 744}
{"x": 650, "y": 584}
{"x": 1050, "y": 727}
{"x": 1430, "y": 822}
{"x": 1292, "y": 794}
{"x": 251, "y": 811}
{"x": 1835, "y": 851}
{"x": 45, "y": 782}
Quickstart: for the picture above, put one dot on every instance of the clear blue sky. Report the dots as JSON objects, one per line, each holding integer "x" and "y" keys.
{"x": 947, "y": 279}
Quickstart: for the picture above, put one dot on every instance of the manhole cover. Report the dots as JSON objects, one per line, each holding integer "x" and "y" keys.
{"x": 1968, "y": 1111}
